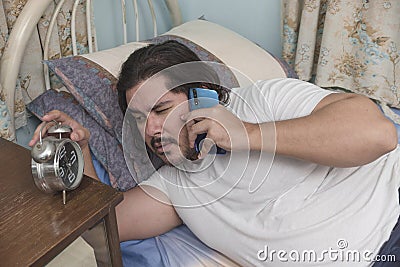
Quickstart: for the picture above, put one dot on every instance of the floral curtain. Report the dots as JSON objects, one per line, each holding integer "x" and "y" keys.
{"x": 30, "y": 82}
{"x": 348, "y": 44}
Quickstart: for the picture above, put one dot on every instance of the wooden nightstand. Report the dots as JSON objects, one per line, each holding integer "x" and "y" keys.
{"x": 36, "y": 227}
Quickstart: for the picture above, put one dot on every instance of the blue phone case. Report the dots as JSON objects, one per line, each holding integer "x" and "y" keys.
{"x": 203, "y": 98}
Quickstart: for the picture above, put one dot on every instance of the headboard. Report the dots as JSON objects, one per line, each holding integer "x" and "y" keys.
{"x": 27, "y": 22}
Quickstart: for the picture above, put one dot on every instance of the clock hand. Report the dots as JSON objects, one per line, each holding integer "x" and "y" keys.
{"x": 69, "y": 166}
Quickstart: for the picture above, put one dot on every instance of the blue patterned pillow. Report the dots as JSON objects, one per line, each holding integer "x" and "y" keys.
{"x": 93, "y": 87}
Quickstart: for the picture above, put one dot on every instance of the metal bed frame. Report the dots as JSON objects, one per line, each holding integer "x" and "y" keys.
{"x": 26, "y": 24}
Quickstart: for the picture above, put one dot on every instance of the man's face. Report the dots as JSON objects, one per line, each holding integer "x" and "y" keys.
{"x": 158, "y": 112}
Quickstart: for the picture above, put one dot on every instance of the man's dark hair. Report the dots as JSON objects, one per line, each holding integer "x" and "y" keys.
{"x": 149, "y": 60}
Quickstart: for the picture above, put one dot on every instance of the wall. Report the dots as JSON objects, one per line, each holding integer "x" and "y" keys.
{"x": 257, "y": 20}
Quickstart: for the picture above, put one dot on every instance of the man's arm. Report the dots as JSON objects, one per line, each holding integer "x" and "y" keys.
{"x": 145, "y": 212}
{"x": 344, "y": 130}
{"x": 89, "y": 169}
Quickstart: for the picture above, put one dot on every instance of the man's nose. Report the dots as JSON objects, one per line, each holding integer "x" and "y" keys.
{"x": 154, "y": 125}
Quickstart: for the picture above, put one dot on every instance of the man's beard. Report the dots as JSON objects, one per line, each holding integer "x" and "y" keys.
{"x": 186, "y": 151}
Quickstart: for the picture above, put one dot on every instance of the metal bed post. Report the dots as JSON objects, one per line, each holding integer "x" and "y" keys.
{"x": 89, "y": 25}
{"x": 73, "y": 29}
{"x": 153, "y": 17}
{"x": 175, "y": 12}
{"x": 73, "y": 34}
{"x": 135, "y": 7}
{"x": 47, "y": 43}
{"x": 123, "y": 9}
{"x": 12, "y": 57}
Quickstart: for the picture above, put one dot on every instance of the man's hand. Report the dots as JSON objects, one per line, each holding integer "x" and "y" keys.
{"x": 79, "y": 134}
{"x": 222, "y": 128}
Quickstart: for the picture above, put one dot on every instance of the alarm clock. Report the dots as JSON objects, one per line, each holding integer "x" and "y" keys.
{"x": 57, "y": 162}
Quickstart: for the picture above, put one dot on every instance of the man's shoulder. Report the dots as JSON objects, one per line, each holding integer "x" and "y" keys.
{"x": 271, "y": 84}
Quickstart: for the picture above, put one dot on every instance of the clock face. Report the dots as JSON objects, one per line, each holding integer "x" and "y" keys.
{"x": 70, "y": 164}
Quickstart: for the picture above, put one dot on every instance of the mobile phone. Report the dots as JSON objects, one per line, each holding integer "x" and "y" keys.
{"x": 203, "y": 98}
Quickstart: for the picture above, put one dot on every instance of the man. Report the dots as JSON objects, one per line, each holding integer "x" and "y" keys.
{"x": 308, "y": 177}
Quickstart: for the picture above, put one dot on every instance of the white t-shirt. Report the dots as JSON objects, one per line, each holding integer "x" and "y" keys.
{"x": 261, "y": 209}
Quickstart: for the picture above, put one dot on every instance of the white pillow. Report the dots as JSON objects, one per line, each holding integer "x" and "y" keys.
{"x": 112, "y": 59}
{"x": 231, "y": 48}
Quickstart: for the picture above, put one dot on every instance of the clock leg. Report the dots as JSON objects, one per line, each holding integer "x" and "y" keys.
{"x": 64, "y": 195}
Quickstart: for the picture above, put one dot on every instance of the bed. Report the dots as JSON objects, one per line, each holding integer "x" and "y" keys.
{"x": 88, "y": 94}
